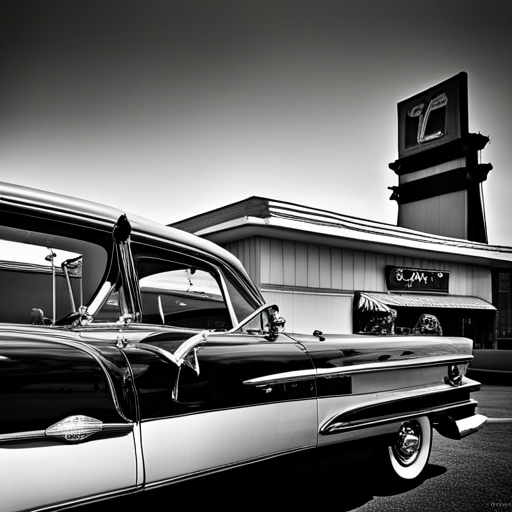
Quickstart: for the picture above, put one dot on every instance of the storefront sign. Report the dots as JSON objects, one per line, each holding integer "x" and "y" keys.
{"x": 416, "y": 279}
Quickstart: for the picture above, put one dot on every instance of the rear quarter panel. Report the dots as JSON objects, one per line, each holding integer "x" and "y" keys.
{"x": 364, "y": 382}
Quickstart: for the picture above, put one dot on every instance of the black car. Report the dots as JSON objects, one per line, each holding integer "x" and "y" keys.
{"x": 134, "y": 355}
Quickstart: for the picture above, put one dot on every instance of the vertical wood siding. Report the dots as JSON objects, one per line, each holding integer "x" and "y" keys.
{"x": 306, "y": 312}
{"x": 298, "y": 264}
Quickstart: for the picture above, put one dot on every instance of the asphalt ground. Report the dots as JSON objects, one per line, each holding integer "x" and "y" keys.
{"x": 495, "y": 401}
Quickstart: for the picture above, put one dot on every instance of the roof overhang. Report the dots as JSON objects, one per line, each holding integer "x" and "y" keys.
{"x": 388, "y": 240}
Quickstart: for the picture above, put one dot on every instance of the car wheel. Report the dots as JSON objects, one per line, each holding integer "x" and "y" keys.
{"x": 407, "y": 457}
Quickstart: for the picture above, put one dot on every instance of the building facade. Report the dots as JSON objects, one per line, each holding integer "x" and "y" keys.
{"x": 339, "y": 274}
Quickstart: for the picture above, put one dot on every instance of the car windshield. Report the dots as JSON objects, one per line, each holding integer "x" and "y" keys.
{"x": 45, "y": 276}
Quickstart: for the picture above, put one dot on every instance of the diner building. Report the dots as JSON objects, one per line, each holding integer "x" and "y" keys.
{"x": 432, "y": 273}
{"x": 333, "y": 273}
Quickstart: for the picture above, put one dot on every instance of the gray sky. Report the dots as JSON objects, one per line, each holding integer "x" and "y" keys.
{"x": 171, "y": 108}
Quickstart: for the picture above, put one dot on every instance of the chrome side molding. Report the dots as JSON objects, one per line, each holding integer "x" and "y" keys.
{"x": 73, "y": 429}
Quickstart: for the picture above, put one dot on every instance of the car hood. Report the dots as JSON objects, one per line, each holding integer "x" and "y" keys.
{"x": 348, "y": 350}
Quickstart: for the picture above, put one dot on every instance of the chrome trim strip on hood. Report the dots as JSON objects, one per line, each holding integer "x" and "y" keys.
{"x": 357, "y": 368}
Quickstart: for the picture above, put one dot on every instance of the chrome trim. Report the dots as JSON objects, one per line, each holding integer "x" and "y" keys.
{"x": 181, "y": 353}
{"x": 336, "y": 428}
{"x": 139, "y": 455}
{"x": 458, "y": 429}
{"x": 183, "y": 350}
{"x": 454, "y": 377}
{"x": 282, "y": 378}
{"x": 137, "y": 432}
{"x": 392, "y": 365}
{"x": 357, "y": 368}
{"x": 74, "y": 429}
{"x": 227, "y": 297}
{"x": 100, "y": 298}
{"x": 164, "y": 354}
{"x": 251, "y": 317}
{"x": 22, "y": 436}
{"x": 470, "y": 425}
{"x": 132, "y": 298}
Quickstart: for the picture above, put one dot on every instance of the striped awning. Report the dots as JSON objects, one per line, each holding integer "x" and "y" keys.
{"x": 426, "y": 301}
{"x": 367, "y": 303}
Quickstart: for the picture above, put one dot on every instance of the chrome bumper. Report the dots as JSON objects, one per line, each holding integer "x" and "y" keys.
{"x": 458, "y": 429}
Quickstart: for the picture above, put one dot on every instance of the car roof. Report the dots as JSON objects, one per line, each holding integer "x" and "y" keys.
{"x": 106, "y": 217}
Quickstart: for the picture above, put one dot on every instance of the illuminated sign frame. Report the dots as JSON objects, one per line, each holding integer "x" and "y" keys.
{"x": 433, "y": 117}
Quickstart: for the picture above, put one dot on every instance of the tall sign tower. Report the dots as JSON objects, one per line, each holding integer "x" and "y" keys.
{"x": 439, "y": 174}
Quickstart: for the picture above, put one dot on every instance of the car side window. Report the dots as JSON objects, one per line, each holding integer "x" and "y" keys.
{"x": 181, "y": 295}
{"x": 46, "y": 277}
{"x": 110, "y": 310}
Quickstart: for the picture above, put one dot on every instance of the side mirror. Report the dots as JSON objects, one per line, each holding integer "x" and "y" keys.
{"x": 265, "y": 321}
{"x": 275, "y": 325}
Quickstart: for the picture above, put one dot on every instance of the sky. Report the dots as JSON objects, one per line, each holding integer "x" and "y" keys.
{"x": 170, "y": 108}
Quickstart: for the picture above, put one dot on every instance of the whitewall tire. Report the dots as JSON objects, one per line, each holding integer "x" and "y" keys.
{"x": 408, "y": 456}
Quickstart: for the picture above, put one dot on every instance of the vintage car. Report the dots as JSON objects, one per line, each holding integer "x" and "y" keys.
{"x": 134, "y": 355}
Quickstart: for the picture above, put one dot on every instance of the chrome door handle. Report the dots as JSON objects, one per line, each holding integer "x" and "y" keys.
{"x": 73, "y": 429}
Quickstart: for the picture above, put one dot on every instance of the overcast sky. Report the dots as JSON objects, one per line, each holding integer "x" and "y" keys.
{"x": 169, "y": 108}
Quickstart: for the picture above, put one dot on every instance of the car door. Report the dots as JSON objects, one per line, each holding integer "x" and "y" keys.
{"x": 63, "y": 436}
{"x": 244, "y": 398}
{"x": 207, "y": 412}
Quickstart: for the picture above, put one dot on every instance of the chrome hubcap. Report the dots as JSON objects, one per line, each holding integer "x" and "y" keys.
{"x": 408, "y": 443}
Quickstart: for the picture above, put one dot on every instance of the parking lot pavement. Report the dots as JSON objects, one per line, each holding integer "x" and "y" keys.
{"x": 495, "y": 401}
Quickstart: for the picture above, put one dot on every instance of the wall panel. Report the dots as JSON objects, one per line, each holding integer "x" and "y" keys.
{"x": 336, "y": 268}
{"x": 325, "y": 267}
{"x": 359, "y": 270}
{"x": 301, "y": 261}
{"x": 265, "y": 259}
{"x": 305, "y": 312}
{"x": 298, "y": 264}
{"x": 289, "y": 257}
{"x": 313, "y": 266}
{"x": 348, "y": 269}
{"x": 276, "y": 261}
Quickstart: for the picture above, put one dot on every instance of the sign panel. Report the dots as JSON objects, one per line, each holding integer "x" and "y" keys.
{"x": 416, "y": 279}
{"x": 433, "y": 117}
